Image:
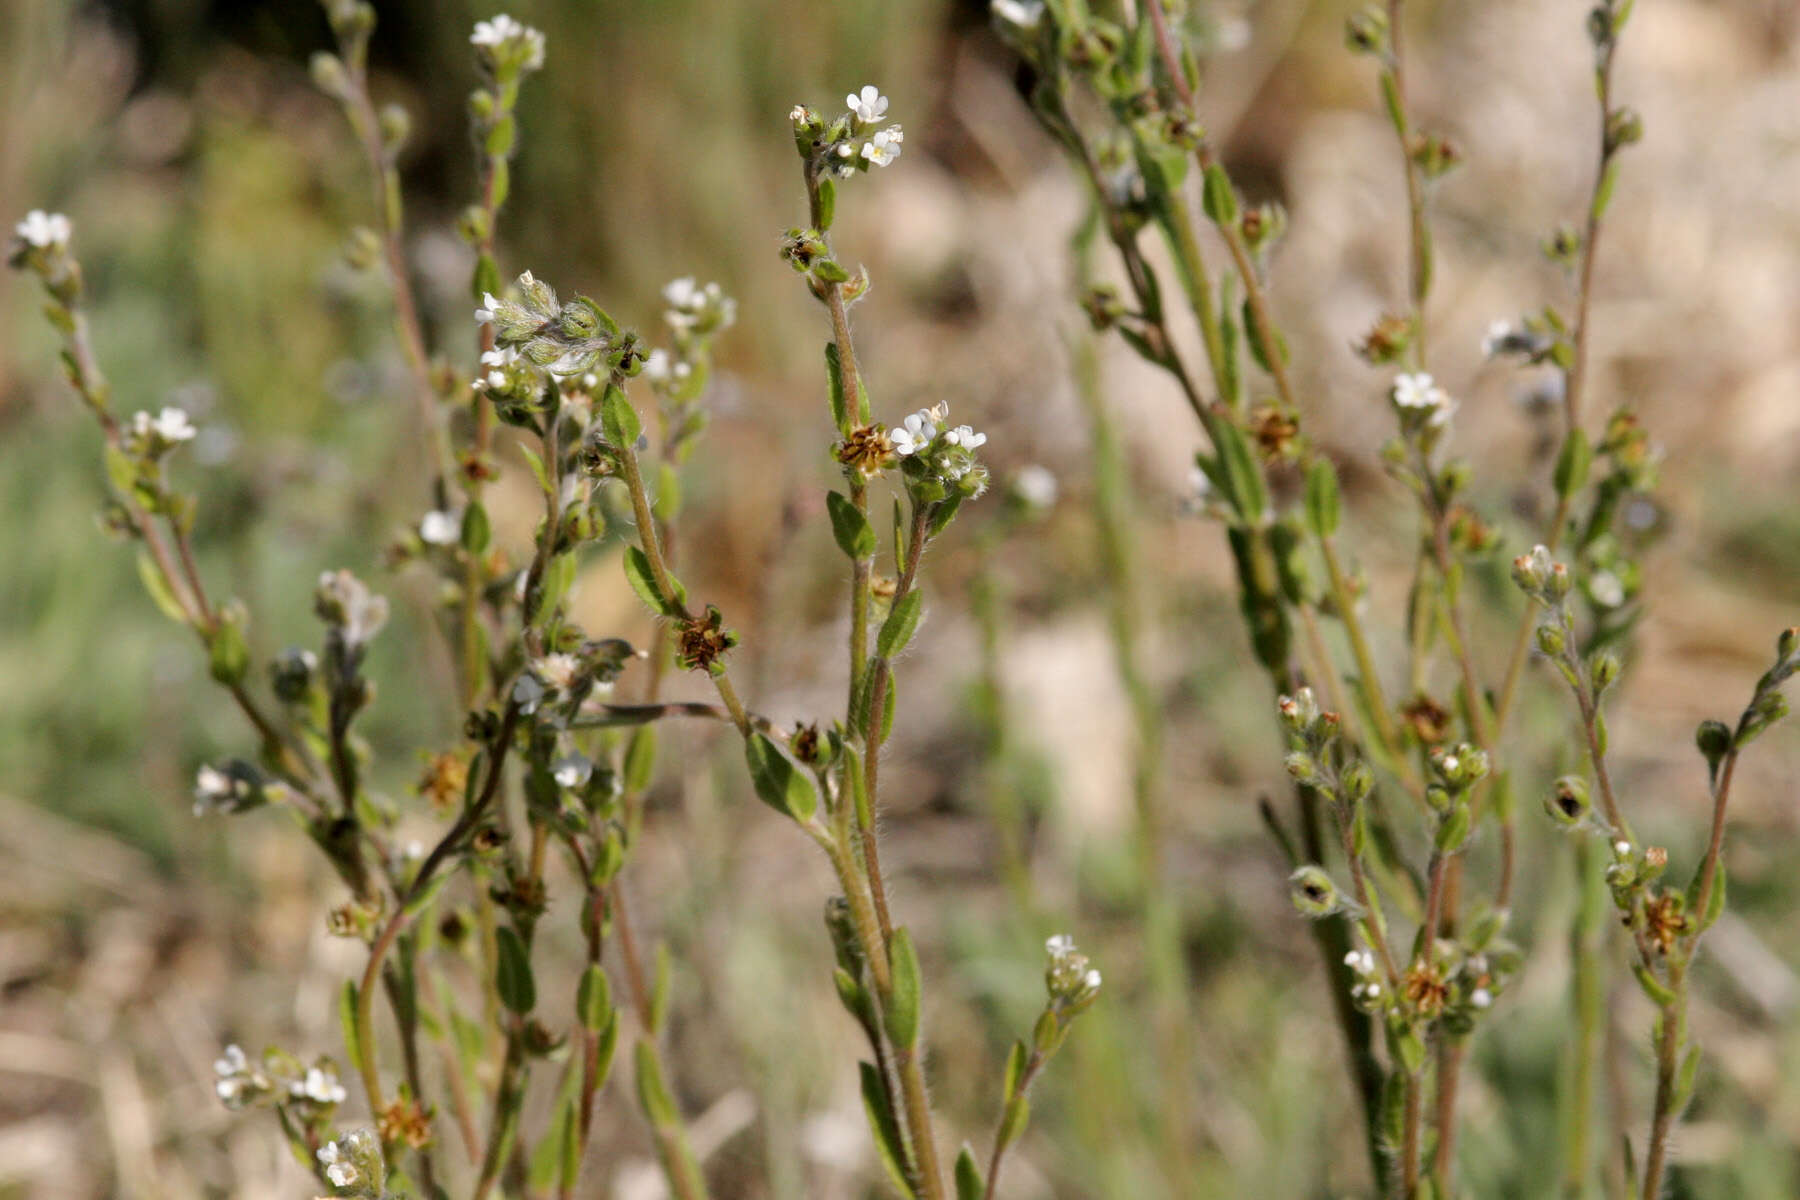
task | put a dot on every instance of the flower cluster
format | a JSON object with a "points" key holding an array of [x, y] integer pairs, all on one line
{"points": [[938, 458], [1071, 982], [1368, 990], [563, 339], [504, 47], [278, 1079], [851, 142], [353, 1164]]}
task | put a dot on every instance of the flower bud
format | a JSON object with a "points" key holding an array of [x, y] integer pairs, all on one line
{"points": [[1358, 781], [1313, 892], [1568, 801], [1301, 767], [328, 75], [1603, 668], [1623, 127], [1550, 639], [396, 127], [1366, 32]]}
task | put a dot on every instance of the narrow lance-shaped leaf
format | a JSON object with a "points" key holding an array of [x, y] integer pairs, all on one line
{"points": [[898, 629]]}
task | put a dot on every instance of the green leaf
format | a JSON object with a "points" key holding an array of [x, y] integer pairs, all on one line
{"points": [[643, 582], [619, 419], [476, 530], [1685, 1076], [486, 280], [900, 625], [659, 991], [347, 1018], [513, 978], [779, 783], [1012, 1124], [855, 536], [1572, 464], [1239, 475], [1015, 1069], [121, 470], [158, 587], [903, 1001], [653, 1093], [1324, 504], [1603, 194], [1455, 830], [830, 270], [427, 895], [827, 202], [640, 760], [884, 1127], [834, 378], [538, 470], [593, 999], [968, 1176], [1260, 350], [1217, 196], [1659, 993]]}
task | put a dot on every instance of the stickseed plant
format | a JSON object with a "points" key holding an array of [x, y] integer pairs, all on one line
{"points": [[1402, 839], [546, 765], [481, 1070]]}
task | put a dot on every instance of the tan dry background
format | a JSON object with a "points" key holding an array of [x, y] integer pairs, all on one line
{"points": [[210, 189]]}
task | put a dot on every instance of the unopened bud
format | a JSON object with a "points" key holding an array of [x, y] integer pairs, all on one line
{"points": [[1358, 781], [1312, 892], [1603, 668], [1550, 639], [1568, 801]]}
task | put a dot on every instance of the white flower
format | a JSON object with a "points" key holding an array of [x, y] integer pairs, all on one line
{"points": [[1060, 945], [1091, 980], [232, 1062], [502, 31], [884, 147], [215, 790], [1606, 589], [1418, 394], [914, 434], [1036, 486], [489, 306], [1621, 848], [1022, 14], [440, 528], [1481, 998], [557, 670], [338, 1168], [798, 113], [572, 771], [170, 426], [1360, 961], [319, 1086], [869, 105], [44, 230], [1494, 341], [965, 437]]}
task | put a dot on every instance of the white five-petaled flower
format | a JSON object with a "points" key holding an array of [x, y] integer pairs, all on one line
{"points": [[1481, 998], [44, 230], [489, 305], [1060, 945], [965, 437], [320, 1086], [338, 1167], [884, 147], [1417, 393], [216, 790], [233, 1070], [1621, 848], [170, 426], [868, 105], [498, 359], [1091, 980], [438, 528], [1360, 961]]}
